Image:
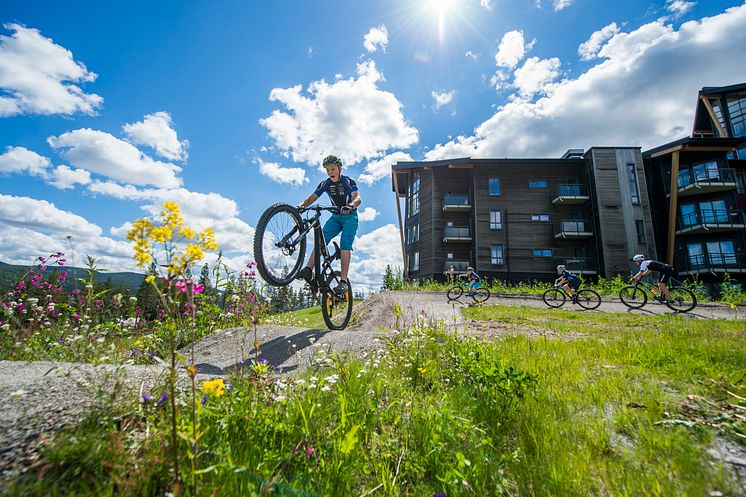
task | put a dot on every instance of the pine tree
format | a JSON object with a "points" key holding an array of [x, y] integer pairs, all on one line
{"points": [[388, 278], [147, 296]]}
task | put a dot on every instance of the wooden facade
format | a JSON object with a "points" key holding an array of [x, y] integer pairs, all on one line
{"points": [[517, 219]]}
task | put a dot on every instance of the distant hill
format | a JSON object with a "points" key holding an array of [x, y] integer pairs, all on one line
{"points": [[10, 273]]}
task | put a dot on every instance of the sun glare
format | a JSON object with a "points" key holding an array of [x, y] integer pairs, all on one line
{"points": [[440, 9]]}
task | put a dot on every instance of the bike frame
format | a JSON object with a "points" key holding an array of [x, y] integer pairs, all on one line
{"points": [[320, 248]]}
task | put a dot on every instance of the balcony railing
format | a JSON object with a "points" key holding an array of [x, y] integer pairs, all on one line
{"points": [[573, 228], [712, 263], [710, 221], [453, 234], [694, 180], [580, 265], [456, 203], [570, 194]]}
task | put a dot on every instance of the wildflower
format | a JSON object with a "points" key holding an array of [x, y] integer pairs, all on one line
{"points": [[310, 451], [733, 306], [181, 286], [422, 370], [162, 399], [214, 387], [63, 277], [146, 398], [150, 278], [204, 399], [198, 289], [187, 233]]}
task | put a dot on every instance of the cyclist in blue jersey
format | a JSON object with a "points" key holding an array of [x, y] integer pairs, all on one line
{"points": [[472, 278], [343, 193], [569, 281]]}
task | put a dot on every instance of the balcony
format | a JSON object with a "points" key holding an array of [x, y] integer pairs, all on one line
{"points": [[573, 228], [580, 265], [694, 180], [456, 203], [459, 265], [710, 221], [570, 194], [451, 234], [712, 263]]}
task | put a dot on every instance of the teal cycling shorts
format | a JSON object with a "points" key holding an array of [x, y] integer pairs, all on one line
{"points": [[341, 223]]}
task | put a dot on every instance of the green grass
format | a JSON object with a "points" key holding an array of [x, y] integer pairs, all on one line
{"points": [[614, 405], [309, 317]]}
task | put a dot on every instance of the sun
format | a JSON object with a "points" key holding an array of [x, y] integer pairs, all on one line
{"points": [[440, 9]]}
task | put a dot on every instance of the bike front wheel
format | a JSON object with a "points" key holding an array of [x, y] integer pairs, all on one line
{"points": [[455, 293], [588, 299], [481, 294], [279, 247], [681, 300], [336, 308], [633, 296], [554, 298]]}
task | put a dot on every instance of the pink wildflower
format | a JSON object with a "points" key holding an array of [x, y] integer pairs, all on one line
{"points": [[63, 276], [181, 286], [199, 289]]}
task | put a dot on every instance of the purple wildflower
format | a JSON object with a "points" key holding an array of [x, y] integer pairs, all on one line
{"points": [[162, 399], [204, 400], [146, 398]]}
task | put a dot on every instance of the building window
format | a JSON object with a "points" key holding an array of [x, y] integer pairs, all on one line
{"points": [[714, 211], [741, 184], [414, 195], [449, 255], [737, 111], [537, 183], [721, 253], [539, 217], [496, 222], [634, 189], [414, 262], [495, 189], [640, 230], [496, 256], [542, 252], [413, 234]]}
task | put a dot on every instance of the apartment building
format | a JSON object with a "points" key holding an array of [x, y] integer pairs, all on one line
{"points": [[699, 186], [516, 219]]}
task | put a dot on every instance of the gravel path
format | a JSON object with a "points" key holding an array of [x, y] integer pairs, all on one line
{"points": [[38, 398]]}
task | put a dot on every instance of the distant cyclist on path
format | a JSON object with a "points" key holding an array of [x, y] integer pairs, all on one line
{"points": [[343, 193], [648, 266], [569, 281]]}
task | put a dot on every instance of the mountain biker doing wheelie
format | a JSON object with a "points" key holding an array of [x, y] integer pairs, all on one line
{"points": [[472, 278], [343, 192]]}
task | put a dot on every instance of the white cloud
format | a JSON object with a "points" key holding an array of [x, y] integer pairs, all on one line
{"points": [[367, 214], [289, 175], [20, 159], [589, 48], [156, 131], [43, 216], [65, 178], [383, 247], [376, 37], [536, 76], [471, 55], [558, 5], [351, 118], [41, 77], [511, 50], [652, 71], [200, 210], [679, 7], [381, 168], [109, 156], [443, 97], [487, 5]]}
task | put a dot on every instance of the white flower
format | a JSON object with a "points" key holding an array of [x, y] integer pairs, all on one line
{"points": [[326, 388]]}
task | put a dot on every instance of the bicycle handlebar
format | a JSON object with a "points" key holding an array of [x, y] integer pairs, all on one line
{"points": [[319, 208]]}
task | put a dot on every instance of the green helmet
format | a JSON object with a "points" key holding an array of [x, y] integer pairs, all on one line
{"points": [[332, 160]]}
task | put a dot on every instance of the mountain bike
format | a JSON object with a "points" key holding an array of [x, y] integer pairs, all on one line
{"points": [[280, 250], [637, 294], [586, 298], [457, 290]]}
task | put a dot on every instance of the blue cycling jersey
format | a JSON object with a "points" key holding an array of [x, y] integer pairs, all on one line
{"points": [[570, 276], [340, 192]]}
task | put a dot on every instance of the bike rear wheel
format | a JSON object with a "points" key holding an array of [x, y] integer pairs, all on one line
{"points": [[481, 294], [455, 293], [336, 308], [588, 299], [554, 298], [278, 247], [633, 297], [682, 299]]}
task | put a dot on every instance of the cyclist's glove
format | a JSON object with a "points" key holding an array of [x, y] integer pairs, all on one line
{"points": [[345, 210]]}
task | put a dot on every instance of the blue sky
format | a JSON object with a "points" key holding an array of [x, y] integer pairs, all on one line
{"points": [[109, 109]]}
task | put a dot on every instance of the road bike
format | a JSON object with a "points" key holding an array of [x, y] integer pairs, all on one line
{"points": [[460, 286], [637, 294], [280, 250], [585, 298]]}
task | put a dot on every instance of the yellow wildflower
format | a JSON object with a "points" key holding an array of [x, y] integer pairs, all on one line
{"points": [[161, 234], [187, 233], [422, 370], [193, 253], [216, 388], [150, 278], [207, 239]]}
